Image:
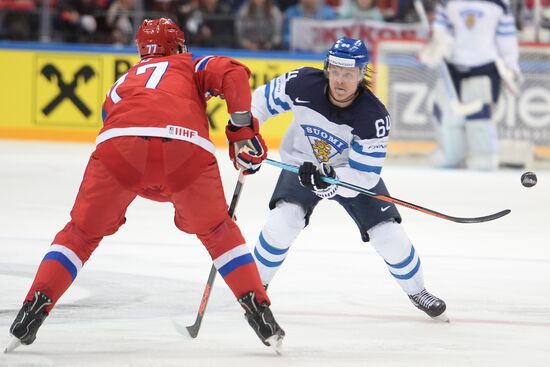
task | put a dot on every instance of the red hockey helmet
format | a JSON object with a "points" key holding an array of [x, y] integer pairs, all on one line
{"points": [[160, 37]]}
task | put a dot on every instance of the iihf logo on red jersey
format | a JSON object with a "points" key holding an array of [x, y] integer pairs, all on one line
{"points": [[181, 131]]}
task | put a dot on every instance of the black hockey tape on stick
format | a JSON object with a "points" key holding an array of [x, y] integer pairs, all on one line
{"points": [[194, 329], [389, 199]]}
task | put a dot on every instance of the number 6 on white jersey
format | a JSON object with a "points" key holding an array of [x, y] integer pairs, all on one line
{"points": [[382, 127]]}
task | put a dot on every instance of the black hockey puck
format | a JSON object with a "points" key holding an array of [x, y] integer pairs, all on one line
{"points": [[529, 179]]}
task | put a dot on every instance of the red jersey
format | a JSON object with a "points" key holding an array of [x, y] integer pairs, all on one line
{"points": [[166, 97]]}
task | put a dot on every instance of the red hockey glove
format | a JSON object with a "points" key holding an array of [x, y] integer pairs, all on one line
{"points": [[247, 149], [310, 178]]}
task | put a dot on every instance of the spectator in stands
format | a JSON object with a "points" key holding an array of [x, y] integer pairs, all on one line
{"points": [[211, 25], [406, 13], [78, 20], [315, 9], [164, 8], [17, 19], [361, 10], [283, 5], [120, 21], [185, 8], [259, 25]]}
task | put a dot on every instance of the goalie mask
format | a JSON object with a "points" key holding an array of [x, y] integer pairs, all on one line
{"points": [[160, 37], [348, 53]]}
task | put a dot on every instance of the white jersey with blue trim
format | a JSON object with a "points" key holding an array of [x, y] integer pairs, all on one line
{"points": [[353, 139], [482, 30]]}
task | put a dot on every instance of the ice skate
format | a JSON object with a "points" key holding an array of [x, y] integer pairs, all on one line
{"points": [[28, 321], [261, 319], [431, 305]]}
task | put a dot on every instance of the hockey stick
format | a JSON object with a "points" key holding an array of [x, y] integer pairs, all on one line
{"points": [[291, 168], [194, 329]]}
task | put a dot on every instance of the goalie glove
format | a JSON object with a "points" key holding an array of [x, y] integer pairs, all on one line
{"points": [[310, 178], [511, 76], [247, 149], [438, 48]]}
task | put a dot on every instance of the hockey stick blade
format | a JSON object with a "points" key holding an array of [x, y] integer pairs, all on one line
{"points": [[359, 189], [193, 330], [466, 109]]}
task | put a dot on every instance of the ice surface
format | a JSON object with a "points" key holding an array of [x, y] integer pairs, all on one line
{"points": [[334, 297]]}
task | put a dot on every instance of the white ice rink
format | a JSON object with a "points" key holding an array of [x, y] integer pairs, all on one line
{"points": [[334, 296]]}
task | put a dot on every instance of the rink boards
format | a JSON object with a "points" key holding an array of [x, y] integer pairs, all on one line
{"points": [[55, 92]]}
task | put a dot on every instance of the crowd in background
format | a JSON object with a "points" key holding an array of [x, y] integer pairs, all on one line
{"points": [[248, 24]]}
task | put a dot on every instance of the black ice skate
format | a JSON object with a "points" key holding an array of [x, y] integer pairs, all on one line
{"points": [[431, 305], [262, 321], [28, 320]]}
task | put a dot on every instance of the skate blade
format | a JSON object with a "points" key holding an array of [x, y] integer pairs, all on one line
{"points": [[442, 318], [276, 343], [12, 345]]}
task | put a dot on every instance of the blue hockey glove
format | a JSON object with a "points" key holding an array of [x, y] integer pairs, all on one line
{"points": [[310, 178]]}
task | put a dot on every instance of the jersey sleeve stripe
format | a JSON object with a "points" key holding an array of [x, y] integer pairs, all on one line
{"points": [[201, 65], [364, 167], [276, 99], [267, 93], [366, 160], [506, 34], [506, 27]]}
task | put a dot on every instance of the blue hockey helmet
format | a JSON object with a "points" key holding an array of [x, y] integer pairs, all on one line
{"points": [[348, 53]]}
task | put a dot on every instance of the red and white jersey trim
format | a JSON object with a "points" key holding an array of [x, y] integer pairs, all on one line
{"points": [[170, 132]]}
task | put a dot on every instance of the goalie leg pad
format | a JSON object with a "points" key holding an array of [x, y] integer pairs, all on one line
{"points": [[284, 224], [481, 133], [482, 145], [391, 242], [449, 132]]}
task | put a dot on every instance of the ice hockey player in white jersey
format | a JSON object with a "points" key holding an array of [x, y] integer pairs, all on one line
{"points": [[340, 129], [477, 42]]}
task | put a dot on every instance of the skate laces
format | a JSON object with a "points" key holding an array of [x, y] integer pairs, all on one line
{"points": [[248, 302], [425, 299], [39, 303]]}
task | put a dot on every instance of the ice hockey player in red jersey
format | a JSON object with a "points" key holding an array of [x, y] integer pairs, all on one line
{"points": [[155, 144]]}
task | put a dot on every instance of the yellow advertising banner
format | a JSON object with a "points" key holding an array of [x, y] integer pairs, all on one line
{"points": [[56, 95], [67, 91]]}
